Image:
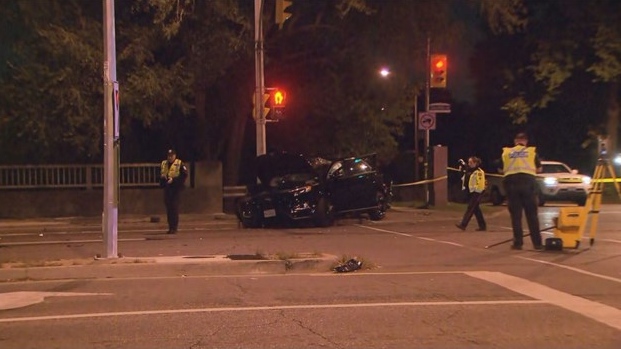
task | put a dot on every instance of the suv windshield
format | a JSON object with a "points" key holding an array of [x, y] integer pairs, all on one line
{"points": [[555, 168]]}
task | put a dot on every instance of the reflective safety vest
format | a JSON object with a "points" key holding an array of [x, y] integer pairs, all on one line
{"points": [[477, 181], [171, 171], [519, 159]]}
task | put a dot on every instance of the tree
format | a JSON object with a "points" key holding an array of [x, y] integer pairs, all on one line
{"points": [[562, 40]]}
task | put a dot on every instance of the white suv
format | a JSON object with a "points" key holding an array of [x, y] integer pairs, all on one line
{"points": [[557, 182]]}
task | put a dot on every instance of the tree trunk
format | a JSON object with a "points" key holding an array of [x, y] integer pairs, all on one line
{"points": [[612, 125], [234, 147]]}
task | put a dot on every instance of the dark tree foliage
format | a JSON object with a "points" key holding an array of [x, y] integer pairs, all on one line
{"points": [[557, 77]]}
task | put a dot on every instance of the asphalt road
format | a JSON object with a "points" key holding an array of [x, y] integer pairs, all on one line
{"points": [[424, 284]]}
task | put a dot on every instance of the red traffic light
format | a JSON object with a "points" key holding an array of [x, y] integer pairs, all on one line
{"points": [[438, 71]]}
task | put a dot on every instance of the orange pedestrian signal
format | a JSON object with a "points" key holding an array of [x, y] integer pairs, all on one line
{"points": [[279, 98], [438, 71], [277, 102]]}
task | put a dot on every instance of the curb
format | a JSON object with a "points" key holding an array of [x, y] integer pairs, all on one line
{"points": [[174, 266]]}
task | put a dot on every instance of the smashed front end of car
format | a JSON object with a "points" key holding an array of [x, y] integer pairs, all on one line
{"points": [[288, 190]]}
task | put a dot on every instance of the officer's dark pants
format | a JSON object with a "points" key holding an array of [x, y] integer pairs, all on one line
{"points": [[474, 199], [521, 191], [171, 200]]}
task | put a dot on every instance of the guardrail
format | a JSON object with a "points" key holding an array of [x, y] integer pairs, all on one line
{"points": [[76, 176], [233, 191]]}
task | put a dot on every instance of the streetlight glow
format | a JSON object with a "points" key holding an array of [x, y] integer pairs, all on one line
{"points": [[384, 72]]}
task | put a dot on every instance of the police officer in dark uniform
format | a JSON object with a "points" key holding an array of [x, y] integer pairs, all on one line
{"points": [[173, 175], [520, 164]]}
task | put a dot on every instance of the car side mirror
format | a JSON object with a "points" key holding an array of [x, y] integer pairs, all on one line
{"points": [[574, 171]]}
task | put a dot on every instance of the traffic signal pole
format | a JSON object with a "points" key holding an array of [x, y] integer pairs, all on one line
{"points": [[111, 136], [427, 150], [259, 90]]}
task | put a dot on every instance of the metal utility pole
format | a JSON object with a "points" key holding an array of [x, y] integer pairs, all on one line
{"points": [[259, 90], [427, 87], [111, 136]]}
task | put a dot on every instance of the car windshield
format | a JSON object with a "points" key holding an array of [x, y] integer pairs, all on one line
{"points": [[555, 168], [349, 168]]}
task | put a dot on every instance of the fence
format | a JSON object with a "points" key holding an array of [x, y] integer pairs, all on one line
{"points": [[76, 176], [67, 190]]}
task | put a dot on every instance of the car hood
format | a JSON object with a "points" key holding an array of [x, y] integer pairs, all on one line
{"points": [[291, 168], [568, 176]]}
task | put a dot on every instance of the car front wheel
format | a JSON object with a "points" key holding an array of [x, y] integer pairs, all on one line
{"points": [[248, 215], [324, 213], [495, 197], [380, 212]]}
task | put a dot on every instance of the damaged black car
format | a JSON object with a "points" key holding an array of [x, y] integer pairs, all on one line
{"points": [[292, 188]]}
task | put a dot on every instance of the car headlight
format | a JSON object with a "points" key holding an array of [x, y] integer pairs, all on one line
{"points": [[586, 180], [550, 181]]}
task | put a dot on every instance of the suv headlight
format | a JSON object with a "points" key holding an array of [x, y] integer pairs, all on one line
{"points": [[586, 180], [550, 181]]}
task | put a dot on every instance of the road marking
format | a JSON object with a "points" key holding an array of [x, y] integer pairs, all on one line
{"points": [[276, 307], [62, 242], [13, 300], [605, 277], [384, 230], [607, 240], [412, 236], [79, 232], [599, 312], [540, 294]]}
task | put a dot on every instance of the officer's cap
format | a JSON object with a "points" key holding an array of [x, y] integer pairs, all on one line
{"points": [[171, 152], [521, 135]]}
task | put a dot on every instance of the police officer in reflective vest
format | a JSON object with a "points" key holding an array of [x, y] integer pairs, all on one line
{"points": [[475, 177], [520, 164], [173, 175]]}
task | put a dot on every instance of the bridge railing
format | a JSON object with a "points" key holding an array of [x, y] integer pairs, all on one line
{"points": [[76, 176]]}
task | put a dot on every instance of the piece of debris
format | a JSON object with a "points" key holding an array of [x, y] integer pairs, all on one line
{"points": [[350, 265]]}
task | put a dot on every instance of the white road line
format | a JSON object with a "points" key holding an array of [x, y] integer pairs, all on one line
{"points": [[412, 236], [609, 278], [605, 277], [61, 242], [264, 308], [599, 312]]}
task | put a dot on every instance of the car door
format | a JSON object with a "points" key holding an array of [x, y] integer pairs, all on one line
{"points": [[352, 184]]}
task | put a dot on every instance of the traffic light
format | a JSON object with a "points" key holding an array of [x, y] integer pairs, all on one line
{"points": [[282, 14], [278, 102], [266, 103], [438, 71]]}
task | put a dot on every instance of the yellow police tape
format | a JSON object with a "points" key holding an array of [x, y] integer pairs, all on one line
{"points": [[602, 180]]}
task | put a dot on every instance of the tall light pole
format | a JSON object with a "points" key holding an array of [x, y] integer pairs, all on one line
{"points": [[259, 89], [111, 136]]}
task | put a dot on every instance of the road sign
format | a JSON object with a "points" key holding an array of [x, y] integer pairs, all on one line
{"points": [[440, 107], [426, 121]]}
